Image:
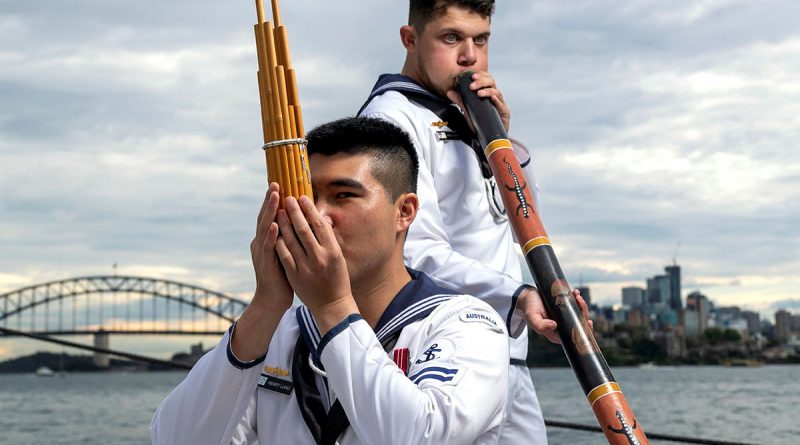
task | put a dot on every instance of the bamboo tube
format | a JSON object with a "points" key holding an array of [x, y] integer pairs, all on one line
{"points": [[281, 116], [299, 183], [282, 45], [260, 12], [294, 99], [266, 130], [266, 91], [305, 178], [264, 86], [287, 132], [276, 13]]}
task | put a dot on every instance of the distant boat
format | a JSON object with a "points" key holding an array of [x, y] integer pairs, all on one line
{"points": [[743, 362], [648, 365], [44, 371]]}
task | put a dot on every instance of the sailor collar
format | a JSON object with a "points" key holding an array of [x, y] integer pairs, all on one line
{"points": [[405, 84], [416, 300]]}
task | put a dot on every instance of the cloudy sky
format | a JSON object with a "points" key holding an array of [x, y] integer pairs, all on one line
{"points": [[130, 134]]}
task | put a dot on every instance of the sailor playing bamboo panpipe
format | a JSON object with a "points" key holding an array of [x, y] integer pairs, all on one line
{"points": [[462, 236], [378, 353], [281, 115]]}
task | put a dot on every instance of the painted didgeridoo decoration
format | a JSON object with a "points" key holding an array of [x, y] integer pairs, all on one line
{"points": [[602, 391]]}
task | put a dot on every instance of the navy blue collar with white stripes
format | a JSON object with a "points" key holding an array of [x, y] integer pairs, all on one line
{"points": [[416, 300], [399, 82]]}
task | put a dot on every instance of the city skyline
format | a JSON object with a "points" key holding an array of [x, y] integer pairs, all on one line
{"points": [[130, 134]]}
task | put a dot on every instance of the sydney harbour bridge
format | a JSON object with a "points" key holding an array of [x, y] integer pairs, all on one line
{"points": [[106, 305]]}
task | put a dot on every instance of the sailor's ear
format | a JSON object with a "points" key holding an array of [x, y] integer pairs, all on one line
{"points": [[408, 36], [406, 205]]}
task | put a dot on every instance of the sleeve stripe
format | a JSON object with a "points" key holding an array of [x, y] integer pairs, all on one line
{"points": [[333, 332], [434, 369], [235, 360], [514, 299], [434, 377]]}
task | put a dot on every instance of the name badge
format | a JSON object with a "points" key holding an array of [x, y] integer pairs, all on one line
{"points": [[275, 384]]}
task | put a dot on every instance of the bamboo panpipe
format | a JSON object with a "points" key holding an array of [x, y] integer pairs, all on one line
{"points": [[602, 391], [281, 117]]}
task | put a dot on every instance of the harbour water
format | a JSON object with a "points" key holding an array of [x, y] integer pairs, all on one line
{"points": [[755, 405], [759, 405]]}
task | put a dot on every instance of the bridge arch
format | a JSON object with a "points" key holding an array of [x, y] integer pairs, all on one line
{"points": [[17, 302]]}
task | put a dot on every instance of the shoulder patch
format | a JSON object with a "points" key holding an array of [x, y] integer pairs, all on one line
{"points": [[471, 316]]}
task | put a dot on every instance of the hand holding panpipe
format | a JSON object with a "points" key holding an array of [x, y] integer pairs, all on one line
{"points": [[281, 117], [584, 355]]}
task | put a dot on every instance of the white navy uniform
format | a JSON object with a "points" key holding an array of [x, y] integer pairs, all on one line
{"points": [[427, 375], [461, 236]]}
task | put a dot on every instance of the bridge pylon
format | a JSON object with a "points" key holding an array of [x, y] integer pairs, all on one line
{"points": [[101, 340]]}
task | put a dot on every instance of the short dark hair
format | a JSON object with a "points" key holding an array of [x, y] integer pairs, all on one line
{"points": [[395, 164], [420, 12]]}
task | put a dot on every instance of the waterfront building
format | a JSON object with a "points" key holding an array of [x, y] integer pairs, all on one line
{"points": [[637, 319], [699, 303], [671, 343], [633, 296], [658, 290], [666, 289], [691, 323], [739, 325], [674, 277], [667, 317], [783, 325], [753, 322], [795, 323]]}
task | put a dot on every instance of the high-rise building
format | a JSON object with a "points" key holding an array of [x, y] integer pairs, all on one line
{"points": [[783, 325], [633, 296], [585, 294], [753, 321], [635, 318], [700, 304], [659, 290], [665, 290], [691, 323], [674, 276]]}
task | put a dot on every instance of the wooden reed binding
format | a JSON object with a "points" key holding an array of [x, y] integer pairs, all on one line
{"points": [[281, 117]]}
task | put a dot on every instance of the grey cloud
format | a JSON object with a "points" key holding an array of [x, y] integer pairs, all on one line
{"points": [[129, 131]]}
